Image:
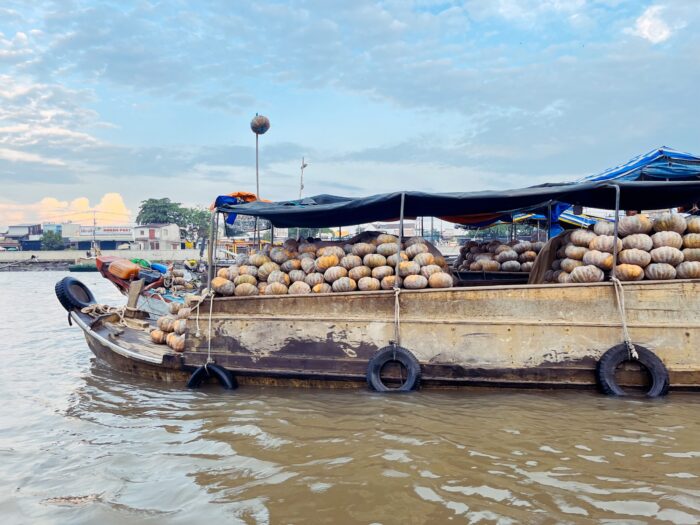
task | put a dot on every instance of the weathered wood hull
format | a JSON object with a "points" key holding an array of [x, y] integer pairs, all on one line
{"points": [[534, 336]]}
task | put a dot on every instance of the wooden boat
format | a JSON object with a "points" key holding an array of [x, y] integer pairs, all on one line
{"points": [[511, 335]]}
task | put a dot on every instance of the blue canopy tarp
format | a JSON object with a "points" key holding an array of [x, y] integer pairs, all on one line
{"points": [[663, 163]]}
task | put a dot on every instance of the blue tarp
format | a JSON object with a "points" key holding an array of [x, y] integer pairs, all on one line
{"points": [[660, 164]]}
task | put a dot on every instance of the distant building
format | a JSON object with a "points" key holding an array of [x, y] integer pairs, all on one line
{"points": [[157, 236], [106, 237], [23, 231], [409, 228]]}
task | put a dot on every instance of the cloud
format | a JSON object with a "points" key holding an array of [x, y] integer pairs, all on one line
{"points": [[650, 26]]}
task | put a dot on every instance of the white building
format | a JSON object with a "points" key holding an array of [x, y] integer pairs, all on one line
{"points": [[157, 236]]}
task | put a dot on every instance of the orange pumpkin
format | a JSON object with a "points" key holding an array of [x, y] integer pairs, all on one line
{"points": [[275, 289], [427, 271], [409, 267], [314, 278], [389, 281], [299, 288], [629, 272], [176, 342], [334, 273], [331, 250], [358, 272], [245, 290], [278, 276], [393, 259], [575, 252], [322, 288], [248, 270], [602, 260], [693, 224], [307, 248], [440, 280], [568, 265], [490, 266], [222, 286], [223, 273], [266, 269], [368, 284], [326, 261], [382, 271], [344, 284], [158, 336], [290, 265], [691, 240], [174, 308], [530, 256]]}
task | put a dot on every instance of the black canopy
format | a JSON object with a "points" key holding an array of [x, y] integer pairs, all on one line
{"points": [[331, 210]]}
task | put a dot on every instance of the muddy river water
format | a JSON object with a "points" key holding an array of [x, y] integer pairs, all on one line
{"points": [[80, 443]]}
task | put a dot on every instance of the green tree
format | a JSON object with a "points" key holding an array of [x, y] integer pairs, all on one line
{"points": [[52, 241], [159, 211], [194, 223]]}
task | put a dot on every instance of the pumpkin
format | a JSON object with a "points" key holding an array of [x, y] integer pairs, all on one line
{"points": [[307, 248], [556, 264], [358, 272], [297, 275], [575, 252], [266, 249], [308, 265], [507, 255], [548, 276], [415, 249], [667, 238], [184, 313], [258, 259], [276, 289], [393, 259], [331, 250], [427, 271], [344, 284], [670, 222], [174, 308], [424, 259], [389, 248], [527, 266], [363, 248], [290, 265], [158, 336], [279, 254], [278, 276], [440, 280], [634, 256], [291, 244], [373, 260], [556, 274], [245, 279], [528, 256], [415, 240], [537, 246], [637, 241], [347, 248], [668, 255], [248, 270], [368, 284], [476, 266], [326, 261], [314, 278], [502, 248], [510, 266], [382, 271], [691, 254], [490, 266], [303, 256], [605, 243], [299, 288], [693, 224], [176, 342], [334, 273], [322, 288], [629, 272], [568, 265], [561, 252], [409, 267], [639, 223], [691, 240], [582, 237], [660, 272], [166, 323], [522, 247], [604, 228], [222, 286], [245, 290], [415, 282], [223, 273], [388, 282], [261, 287], [587, 274], [387, 238], [266, 269], [180, 326], [688, 270], [232, 272], [350, 261], [564, 277]]}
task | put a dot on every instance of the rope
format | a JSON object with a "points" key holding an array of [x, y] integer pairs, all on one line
{"points": [[397, 315], [620, 297], [211, 307]]}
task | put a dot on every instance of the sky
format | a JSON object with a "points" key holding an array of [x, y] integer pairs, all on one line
{"points": [[105, 104]]}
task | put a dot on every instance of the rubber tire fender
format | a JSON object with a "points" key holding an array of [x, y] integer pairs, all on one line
{"points": [[386, 355], [608, 363], [73, 294], [224, 377]]}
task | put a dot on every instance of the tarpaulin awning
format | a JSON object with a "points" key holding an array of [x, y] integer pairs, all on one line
{"points": [[332, 210], [660, 164]]}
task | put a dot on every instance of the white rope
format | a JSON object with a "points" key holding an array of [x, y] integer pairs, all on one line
{"points": [[211, 307], [620, 297]]}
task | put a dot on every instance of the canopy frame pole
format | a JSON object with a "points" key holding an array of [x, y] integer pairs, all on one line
{"points": [[616, 227], [397, 288], [549, 220], [210, 248]]}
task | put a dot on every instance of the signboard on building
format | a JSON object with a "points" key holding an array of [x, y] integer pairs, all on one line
{"points": [[113, 232]]}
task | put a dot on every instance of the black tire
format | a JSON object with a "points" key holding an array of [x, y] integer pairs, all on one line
{"points": [[224, 377], [390, 354], [73, 295], [608, 363]]}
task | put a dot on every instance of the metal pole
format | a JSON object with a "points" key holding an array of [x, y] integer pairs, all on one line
{"points": [[210, 251], [257, 189], [549, 220], [397, 332], [615, 228]]}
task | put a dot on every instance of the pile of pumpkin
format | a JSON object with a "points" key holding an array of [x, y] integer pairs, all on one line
{"points": [[494, 256], [298, 268], [171, 329], [667, 247]]}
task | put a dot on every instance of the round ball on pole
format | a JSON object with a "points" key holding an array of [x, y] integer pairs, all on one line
{"points": [[260, 124]]}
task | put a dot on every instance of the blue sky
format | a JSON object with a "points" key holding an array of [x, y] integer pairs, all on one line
{"points": [[149, 99]]}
